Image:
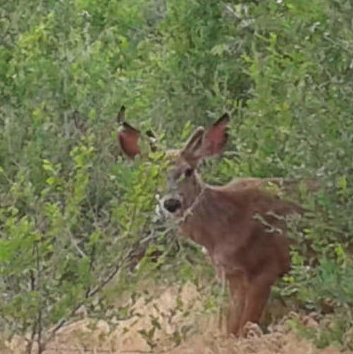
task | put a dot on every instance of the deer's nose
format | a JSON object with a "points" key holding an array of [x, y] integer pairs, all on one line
{"points": [[172, 205]]}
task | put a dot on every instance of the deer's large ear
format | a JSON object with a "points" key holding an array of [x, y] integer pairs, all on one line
{"points": [[128, 138], [215, 137], [195, 141], [207, 143], [193, 147]]}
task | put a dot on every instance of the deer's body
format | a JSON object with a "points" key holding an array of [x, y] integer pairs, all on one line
{"points": [[234, 234], [243, 229], [241, 225]]}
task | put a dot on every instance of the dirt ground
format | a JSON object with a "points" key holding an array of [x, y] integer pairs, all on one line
{"points": [[172, 322]]}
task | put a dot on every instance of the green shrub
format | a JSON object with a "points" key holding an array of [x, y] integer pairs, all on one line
{"points": [[73, 213]]}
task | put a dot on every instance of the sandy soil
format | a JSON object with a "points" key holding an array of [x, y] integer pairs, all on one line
{"points": [[173, 322]]}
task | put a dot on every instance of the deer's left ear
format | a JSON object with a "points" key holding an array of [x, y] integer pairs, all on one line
{"points": [[128, 138], [206, 143], [215, 137]]}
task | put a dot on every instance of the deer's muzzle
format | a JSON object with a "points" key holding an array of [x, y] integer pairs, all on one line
{"points": [[171, 205]]}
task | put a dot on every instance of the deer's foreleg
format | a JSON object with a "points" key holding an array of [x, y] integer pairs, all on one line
{"points": [[238, 289], [256, 298]]}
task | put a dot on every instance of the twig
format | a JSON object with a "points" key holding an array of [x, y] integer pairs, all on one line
{"points": [[91, 293], [40, 308], [34, 327]]}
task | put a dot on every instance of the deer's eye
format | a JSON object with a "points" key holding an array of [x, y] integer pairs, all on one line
{"points": [[188, 172]]}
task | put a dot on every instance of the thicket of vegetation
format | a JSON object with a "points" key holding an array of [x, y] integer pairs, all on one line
{"points": [[73, 213]]}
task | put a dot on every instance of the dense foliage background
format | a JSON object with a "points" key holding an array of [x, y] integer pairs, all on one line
{"points": [[73, 213]]}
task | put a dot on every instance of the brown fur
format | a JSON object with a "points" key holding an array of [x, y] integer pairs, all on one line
{"points": [[243, 229], [241, 225]]}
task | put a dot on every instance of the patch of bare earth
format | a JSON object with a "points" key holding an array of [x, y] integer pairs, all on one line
{"points": [[173, 321]]}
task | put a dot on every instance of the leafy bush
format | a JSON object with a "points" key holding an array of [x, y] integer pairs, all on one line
{"points": [[73, 213]]}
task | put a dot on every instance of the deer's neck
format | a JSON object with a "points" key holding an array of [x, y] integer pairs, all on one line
{"points": [[192, 193], [203, 221]]}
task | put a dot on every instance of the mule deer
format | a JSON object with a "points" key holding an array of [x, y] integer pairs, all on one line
{"points": [[241, 225]]}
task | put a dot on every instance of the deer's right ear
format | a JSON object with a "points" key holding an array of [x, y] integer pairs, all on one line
{"points": [[128, 138]]}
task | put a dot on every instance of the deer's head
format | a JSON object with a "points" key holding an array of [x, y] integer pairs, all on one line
{"points": [[183, 181]]}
